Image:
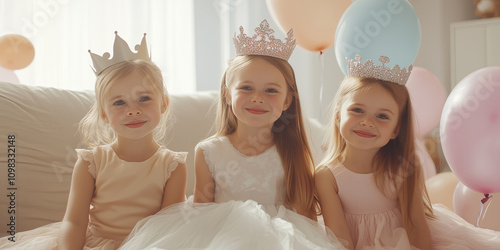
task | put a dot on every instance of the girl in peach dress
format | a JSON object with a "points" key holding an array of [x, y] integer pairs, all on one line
{"points": [[370, 185], [127, 175]]}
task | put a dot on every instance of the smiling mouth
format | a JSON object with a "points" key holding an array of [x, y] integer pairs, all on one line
{"points": [[135, 124], [364, 134], [257, 111]]}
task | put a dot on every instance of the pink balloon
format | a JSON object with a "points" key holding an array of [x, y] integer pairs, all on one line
{"points": [[467, 202], [428, 166], [427, 96], [470, 130], [7, 75]]}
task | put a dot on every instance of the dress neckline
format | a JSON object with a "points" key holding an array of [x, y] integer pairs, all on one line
{"points": [[226, 139], [338, 164], [117, 157]]}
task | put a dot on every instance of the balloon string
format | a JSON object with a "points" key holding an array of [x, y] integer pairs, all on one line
{"points": [[483, 201], [322, 82]]}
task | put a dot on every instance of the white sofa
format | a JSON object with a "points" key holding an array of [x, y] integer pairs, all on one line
{"points": [[44, 123]]}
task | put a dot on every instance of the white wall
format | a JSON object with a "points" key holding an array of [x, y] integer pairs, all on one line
{"points": [[435, 19]]}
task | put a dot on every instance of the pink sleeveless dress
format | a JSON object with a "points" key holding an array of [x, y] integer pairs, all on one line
{"points": [[375, 220]]}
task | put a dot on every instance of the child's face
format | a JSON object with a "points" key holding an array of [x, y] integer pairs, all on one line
{"points": [[368, 118], [258, 94], [132, 108]]}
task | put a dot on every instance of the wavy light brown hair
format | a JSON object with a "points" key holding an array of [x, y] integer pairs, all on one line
{"points": [[397, 161], [288, 132], [93, 129]]}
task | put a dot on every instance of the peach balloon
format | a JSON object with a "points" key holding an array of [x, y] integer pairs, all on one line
{"points": [[16, 52], [314, 22], [441, 187], [467, 202]]}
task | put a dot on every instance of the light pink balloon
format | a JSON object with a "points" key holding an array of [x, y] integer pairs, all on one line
{"points": [[467, 202], [427, 96], [7, 75], [428, 166], [470, 130]]}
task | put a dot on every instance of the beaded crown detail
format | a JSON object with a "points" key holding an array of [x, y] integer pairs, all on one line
{"points": [[369, 70], [121, 52], [263, 43]]}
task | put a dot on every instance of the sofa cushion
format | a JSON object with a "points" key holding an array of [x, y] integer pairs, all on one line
{"points": [[44, 122]]}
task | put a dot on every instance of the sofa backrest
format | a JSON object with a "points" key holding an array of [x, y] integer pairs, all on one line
{"points": [[42, 123]]}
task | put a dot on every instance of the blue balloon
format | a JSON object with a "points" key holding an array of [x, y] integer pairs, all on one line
{"points": [[374, 28]]}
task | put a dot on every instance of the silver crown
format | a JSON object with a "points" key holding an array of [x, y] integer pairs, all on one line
{"points": [[121, 52], [263, 43], [369, 70]]}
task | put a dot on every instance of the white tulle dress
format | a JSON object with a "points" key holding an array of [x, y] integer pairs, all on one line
{"points": [[247, 212], [375, 221]]}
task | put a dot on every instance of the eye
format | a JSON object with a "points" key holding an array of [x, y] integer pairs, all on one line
{"points": [[272, 91], [357, 110], [144, 98], [246, 88], [119, 102], [383, 116]]}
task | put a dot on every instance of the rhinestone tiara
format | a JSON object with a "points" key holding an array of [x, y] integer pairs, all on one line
{"points": [[368, 70], [121, 53], [263, 43]]}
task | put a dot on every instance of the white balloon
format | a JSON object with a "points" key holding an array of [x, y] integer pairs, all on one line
{"points": [[7, 75]]}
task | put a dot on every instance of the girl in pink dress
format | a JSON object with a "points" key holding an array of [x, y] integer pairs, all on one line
{"points": [[127, 175], [370, 185]]}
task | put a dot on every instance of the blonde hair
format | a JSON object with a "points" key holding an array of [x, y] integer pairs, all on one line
{"points": [[94, 130], [288, 132], [397, 161]]}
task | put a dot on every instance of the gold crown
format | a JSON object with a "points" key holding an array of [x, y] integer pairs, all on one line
{"points": [[121, 52], [368, 70], [263, 43]]}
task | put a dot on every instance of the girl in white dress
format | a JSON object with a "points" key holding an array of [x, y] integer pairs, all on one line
{"points": [[254, 177]]}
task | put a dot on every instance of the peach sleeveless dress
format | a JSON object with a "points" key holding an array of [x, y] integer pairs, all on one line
{"points": [[125, 192]]}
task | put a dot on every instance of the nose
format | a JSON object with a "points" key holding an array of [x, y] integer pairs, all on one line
{"points": [[256, 98], [134, 111], [138, 112], [367, 123]]}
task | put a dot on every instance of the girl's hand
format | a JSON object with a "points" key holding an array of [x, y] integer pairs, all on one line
{"points": [[205, 185], [72, 234], [331, 206]]}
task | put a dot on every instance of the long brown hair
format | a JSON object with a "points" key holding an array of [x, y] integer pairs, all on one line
{"points": [[397, 161], [288, 132]]}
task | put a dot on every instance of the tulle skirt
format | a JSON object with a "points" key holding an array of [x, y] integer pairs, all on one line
{"points": [[450, 231], [229, 225], [45, 237], [376, 231]]}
